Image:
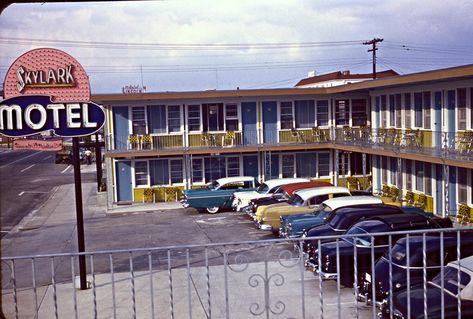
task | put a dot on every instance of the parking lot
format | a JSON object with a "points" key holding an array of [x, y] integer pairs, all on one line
{"points": [[241, 279]]}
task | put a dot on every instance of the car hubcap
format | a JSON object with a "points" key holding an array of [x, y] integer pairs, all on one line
{"points": [[212, 210]]}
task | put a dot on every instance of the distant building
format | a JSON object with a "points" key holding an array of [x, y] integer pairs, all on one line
{"points": [[339, 78]]}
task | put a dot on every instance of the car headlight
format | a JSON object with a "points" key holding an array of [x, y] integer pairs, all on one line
{"points": [[289, 226]]}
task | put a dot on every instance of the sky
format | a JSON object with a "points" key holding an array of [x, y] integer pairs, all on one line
{"points": [[194, 45]]}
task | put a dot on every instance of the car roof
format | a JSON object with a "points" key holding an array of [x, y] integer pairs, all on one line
{"points": [[283, 181], [465, 263], [291, 188], [395, 221], [309, 192], [227, 180], [367, 209], [434, 238], [337, 202]]}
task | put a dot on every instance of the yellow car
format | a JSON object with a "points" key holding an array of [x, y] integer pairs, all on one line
{"points": [[302, 201]]}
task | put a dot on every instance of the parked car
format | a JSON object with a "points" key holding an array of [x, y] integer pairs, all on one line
{"points": [[302, 201], [218, 194], [266, 189], [401, 264], [361, 240], [457, 282], [292, 226], [282, 194], [338, 222]]}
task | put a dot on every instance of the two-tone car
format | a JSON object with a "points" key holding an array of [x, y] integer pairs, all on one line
{"points": [[302, 201], [282, 194], [413, 258], [265, 190], [445, 295], [337, 223], [218, 194], [368, 248], [293, 226]]}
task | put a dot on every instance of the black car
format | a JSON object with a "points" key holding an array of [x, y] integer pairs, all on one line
{"points": [[340, 219], [406, 256], [363, 241], [410, 304]]}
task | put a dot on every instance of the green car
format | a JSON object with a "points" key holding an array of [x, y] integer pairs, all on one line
{"points": [[218, 194]]}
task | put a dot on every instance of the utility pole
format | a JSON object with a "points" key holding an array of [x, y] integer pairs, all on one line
{"points": [[373, 49]]}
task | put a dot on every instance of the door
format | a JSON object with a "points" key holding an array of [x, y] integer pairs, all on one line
{"points": [[270, 119], [124, 185], [120, 126], [250, 166], [438, 119], [248, 117], [451, 118]]}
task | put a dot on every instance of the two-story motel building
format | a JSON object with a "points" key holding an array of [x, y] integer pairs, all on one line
{"points": [[408, 137]]}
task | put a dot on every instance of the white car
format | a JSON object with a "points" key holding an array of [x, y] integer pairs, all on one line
{"points": [[242, 199]]}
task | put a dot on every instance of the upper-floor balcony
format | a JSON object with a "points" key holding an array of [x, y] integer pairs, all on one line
{"points": [[448, 145]]}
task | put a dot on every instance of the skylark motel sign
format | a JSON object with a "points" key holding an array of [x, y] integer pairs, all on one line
{"points": [[47, 89]]}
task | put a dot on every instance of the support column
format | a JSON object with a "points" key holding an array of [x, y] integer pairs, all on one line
{"points": [[335, 168], [363, 166], [446, 179], [399, 179]]}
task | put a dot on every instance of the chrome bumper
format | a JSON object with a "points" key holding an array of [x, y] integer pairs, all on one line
{"points": [[262, 226], [326, 275], [184, 203]]}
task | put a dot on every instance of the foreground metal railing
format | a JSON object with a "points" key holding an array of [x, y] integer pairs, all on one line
{"points": [[249, 279]]}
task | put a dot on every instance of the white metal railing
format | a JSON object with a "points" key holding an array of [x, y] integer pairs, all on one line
{"points": [[231, 280]]}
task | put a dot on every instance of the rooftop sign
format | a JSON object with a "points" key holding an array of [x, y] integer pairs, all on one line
{"points": [[47, 89]]}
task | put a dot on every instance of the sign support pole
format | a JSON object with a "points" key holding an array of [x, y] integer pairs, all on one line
{"points": [[79, 213]]}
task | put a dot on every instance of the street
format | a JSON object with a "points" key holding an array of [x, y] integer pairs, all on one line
{"points": [[27, 180]]}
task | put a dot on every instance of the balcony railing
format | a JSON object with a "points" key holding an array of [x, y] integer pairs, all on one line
{"points": [[447, 144], [245, 279]]}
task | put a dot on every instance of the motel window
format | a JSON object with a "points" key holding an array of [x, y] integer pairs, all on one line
{"points": [[233, 166], [141, 173], [408, 170], [427, 107], [174, 118], [286, 115], [419, 176], [359, 114], [214, 168], [197, 170], [304, 113], [393, 170], [159, 171], [157, 119], [391, 111], [193, 118], [428, 179], [383, 111], [231, 117], [461, 108], [212, 117], [418, 109], [397, 106], [323, 164], [322, 113], [306, 165], [175, 170], [462, 183], [287, 165], [138, 120], [407, 110], [342, 112], [356, 164]]}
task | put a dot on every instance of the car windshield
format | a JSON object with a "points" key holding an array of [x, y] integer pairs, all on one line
{"points": [[263, 189], [296, 200], [360, 236], [450, 280], [398, 255], [213, 185]]}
